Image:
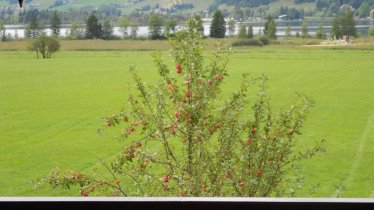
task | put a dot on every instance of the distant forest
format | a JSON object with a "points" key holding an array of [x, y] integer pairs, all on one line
{"points": [[327, 8], [255, 3]]}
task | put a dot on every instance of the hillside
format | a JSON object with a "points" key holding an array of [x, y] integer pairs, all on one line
{"points": [[239, 9], [131, 5], [125, 5]]}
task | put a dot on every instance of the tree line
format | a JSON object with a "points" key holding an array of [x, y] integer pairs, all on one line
{"points": [[159, 27]]}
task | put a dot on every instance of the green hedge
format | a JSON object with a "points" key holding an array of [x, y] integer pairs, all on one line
{"points": [[258, 41], [247, 42]]}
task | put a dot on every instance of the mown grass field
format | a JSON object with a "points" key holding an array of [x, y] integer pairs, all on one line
{"points": [[50, 111]]}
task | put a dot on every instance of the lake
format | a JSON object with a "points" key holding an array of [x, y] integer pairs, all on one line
{"points": [[295, 25]]}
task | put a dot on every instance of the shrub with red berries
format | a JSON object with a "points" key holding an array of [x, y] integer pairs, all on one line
{"points": [[182, 140]]}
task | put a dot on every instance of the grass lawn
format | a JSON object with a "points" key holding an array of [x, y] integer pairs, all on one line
{"points": [[50, 110]]}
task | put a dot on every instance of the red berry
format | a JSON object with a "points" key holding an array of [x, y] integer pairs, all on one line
{"points": [[229, 175], [203, 188], [218, 77], [176, 115], [109, 123], [117, 181], [259, 172], [173, 129], [165, 187], [78, 176], [138, 144], [250, 170], [249, 141], [115, 193], [186, 114], [132, 153], [210, 82], [188, 94], [253, 130], [165, 179], [171, 88], [217, 126], [179, 69], [84, 193], [241, 183]]}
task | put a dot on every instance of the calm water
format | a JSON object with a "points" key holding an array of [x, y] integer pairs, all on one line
{"points": [[361, 25]]}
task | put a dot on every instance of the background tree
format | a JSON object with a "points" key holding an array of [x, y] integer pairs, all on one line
{"points": [[134, 29], [348, 27], [371, 31], [371, 14], [270, 28], [335, 30], [16, 36], [346, 8], [304, 30], [364, 9], [287, 31], [320, 34], [77, 30], [55, 23], [123, 25], [199, 24], [242, 31], [94, 30], [218, 25], [231, 27], [107, 30], [250, 32], [2, 30], [44, 45], [269, 18], [34, 27], [333, 9], [155, 26], [170, 26], [42, 26], [27, 32]]}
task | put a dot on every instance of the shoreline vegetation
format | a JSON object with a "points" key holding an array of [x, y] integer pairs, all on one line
{"points": [[151, 45]]}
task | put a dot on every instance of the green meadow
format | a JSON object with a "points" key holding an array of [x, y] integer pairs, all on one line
{"points": [[50, 111]]}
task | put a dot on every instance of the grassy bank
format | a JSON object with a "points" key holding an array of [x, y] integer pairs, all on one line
{"points": [[151, 45]]}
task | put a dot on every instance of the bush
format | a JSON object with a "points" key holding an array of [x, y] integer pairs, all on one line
{"points": [[181, 139], [44, 45], [264, 39], [247, 42], [313, 42]]}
